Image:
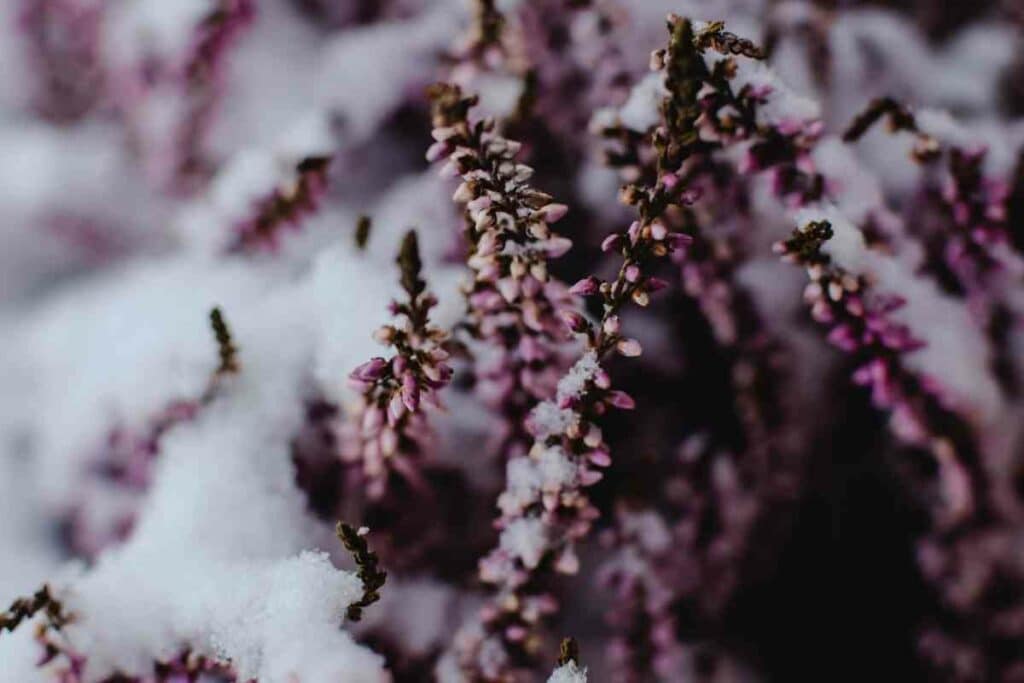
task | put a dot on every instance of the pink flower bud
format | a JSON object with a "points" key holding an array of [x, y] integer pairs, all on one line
{"points": [[370, 371], [634, 231], [621, 400], [437, 151], [586, 287], [388, 442], [655, 284], [552, 213], [479, 204], [410, 392], [678, 240], [509, 288], [611, 243], [396, 408]]}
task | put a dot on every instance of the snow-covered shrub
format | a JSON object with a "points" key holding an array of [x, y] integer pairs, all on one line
{"points": [[392, 340]]}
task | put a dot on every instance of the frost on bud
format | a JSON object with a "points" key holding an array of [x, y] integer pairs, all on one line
{"points": [[552, 213], [558, 246]]}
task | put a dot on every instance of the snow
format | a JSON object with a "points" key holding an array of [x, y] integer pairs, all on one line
{"points": [[526, 539], [643, 108], [143, 28], [944, 322], [568, 673], [221, 556]]}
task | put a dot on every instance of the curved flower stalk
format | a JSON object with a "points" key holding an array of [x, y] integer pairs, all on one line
{"points": [[544, 509], [864, 324], [63, 43], [513, 304], [965, 554], [387, 431], [861, 323], [122, 472]]}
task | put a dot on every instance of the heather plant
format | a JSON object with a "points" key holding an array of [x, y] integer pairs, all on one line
{"points": [[718, 369]]}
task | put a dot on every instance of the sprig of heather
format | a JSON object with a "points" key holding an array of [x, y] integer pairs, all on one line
{"points": [[201, 81], [964, 225], [513, 303], [973, 239], [128, 456], [730, 483], [369, 572], [285, 207], [544, 508], [176, 157], [861, 323], [386, 432], [49, 633], [68, 665]]}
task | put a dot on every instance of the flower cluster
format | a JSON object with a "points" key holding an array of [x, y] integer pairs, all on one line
{"points": [[513, 303], [545, 510], [861, 323], [386, 431]]}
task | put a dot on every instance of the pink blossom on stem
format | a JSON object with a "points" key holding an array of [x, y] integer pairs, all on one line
{"points": [[386, 431]]}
